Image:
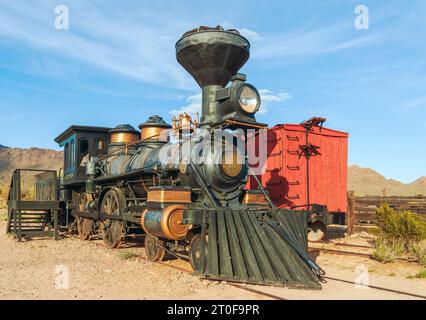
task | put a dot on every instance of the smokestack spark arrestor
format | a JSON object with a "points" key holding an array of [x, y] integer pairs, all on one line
{"points": [[213, 57]]}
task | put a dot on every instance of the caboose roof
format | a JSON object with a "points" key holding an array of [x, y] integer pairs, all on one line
{"points": [[79, 129]]}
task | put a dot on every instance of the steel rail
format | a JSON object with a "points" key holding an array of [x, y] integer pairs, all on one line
{"points": [[268, 294]]}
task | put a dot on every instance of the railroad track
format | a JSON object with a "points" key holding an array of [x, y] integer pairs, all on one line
{"points": [[331, 248], [275, 297], [190, 272]]}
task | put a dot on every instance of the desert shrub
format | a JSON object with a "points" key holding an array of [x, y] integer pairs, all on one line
{"points": [[386, 250], [399, 233], [404, 227], [418, 250], [419, 275]]}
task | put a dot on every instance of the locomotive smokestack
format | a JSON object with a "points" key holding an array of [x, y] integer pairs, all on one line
{"points": [[212, 56]]}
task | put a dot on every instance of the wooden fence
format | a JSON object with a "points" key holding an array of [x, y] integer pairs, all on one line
{"points": [[362, 210]]}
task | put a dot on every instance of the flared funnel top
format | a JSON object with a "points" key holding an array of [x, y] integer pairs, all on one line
{"points": [[212, 55]]}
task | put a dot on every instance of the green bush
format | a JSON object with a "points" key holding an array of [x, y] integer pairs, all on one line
{"points": [[387, 251], [399, 233], [405, 227], [418, 250]]}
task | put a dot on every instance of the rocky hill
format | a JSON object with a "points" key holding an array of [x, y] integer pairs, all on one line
{"points": [[34, 158], [365, 181]]}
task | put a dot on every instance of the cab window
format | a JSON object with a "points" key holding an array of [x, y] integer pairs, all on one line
{"points": [[67, 156], [83, 152]]}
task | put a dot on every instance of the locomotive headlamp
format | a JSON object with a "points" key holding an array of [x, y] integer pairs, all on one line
{"points": [[248, 98], [240, 97]]}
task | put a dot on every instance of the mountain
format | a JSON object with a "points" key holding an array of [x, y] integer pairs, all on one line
{"points": [[365, 181], [421, 182], [34, 158], [3, 147]]}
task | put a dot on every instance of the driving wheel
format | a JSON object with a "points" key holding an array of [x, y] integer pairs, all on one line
{"points": [[112, 230]]}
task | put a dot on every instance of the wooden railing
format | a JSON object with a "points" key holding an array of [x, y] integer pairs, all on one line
{"points": [[362, 210]]}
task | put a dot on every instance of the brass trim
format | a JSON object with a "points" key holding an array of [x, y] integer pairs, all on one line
{"points": [[254, 198], [245, 124], [154, 134], [175, 196], [143, 220], [124, 137], [172, 222], [232, 164]]}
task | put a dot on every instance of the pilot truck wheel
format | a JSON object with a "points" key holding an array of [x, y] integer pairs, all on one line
{"points": [[111, 229], [154, 248], [317, 232], [195, 253]]}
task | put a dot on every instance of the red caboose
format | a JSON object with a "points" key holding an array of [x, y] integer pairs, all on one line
{"points": [[307, 166]]}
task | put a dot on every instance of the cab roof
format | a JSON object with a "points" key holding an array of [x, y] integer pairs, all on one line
{"points": [[80, 129]]}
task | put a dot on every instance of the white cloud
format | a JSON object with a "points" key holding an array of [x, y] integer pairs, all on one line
{"points": [[133, 42], [129, 43], [245, 32], [301, 43], [268, 97], [249, 34], [192, 107]]}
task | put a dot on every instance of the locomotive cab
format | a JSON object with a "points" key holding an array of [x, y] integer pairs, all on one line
{"points": [[80, 143]]}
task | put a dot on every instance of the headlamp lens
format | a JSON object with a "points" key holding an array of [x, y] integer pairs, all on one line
{"points": [[249, 99]]}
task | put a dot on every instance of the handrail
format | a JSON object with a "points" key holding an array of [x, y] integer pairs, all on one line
{"points": [[18, 207]]}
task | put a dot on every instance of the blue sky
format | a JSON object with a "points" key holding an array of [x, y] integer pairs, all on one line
{"points": [[116, 64]]}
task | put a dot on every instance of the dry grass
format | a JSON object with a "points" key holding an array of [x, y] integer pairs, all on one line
{"points": [[126, 255], [419, 252], [387, 251], [419, 275], [4, 192]]}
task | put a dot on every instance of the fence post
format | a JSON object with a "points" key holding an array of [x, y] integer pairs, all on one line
{"points": [[350, 215], [55, 224]]}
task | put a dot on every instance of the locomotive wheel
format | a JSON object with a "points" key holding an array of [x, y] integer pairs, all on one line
{"points": [[85, 226], [195, 253], [112, 230], [153, 249], [317, 232]]}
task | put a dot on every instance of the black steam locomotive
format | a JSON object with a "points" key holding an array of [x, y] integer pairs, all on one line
{"points": [[121, 181]]}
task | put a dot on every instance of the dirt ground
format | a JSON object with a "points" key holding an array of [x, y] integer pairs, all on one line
{"points": [[27, 271]]}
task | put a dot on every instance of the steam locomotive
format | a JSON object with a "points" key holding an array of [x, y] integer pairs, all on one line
{"points": [[119, 182]]}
